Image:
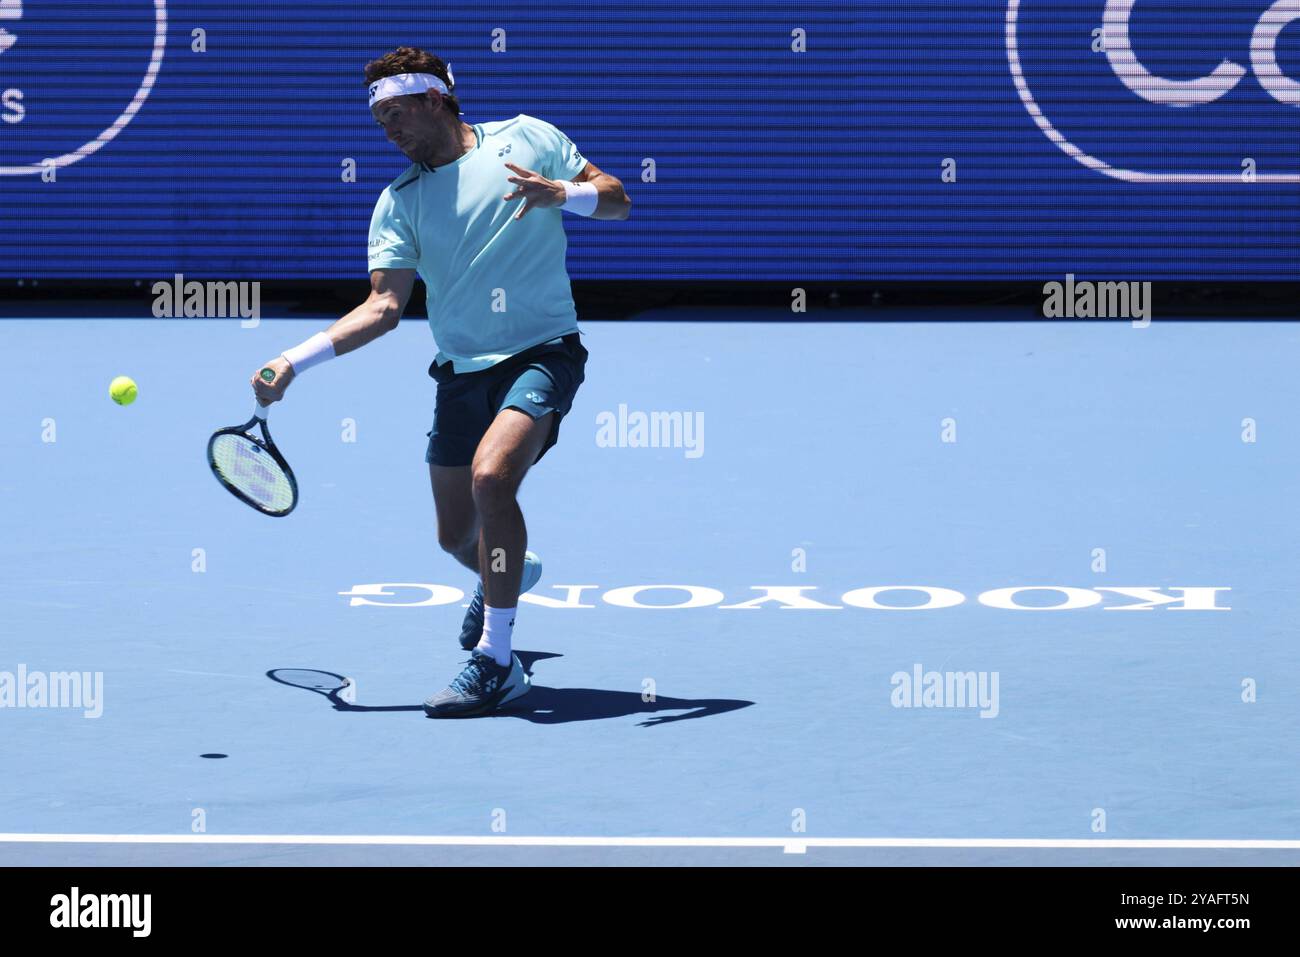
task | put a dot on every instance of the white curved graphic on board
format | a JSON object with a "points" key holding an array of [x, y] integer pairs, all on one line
{"points": [[1099, 165], [106, 137]]}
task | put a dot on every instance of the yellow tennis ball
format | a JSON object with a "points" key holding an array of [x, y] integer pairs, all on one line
{"points": [[123, 390]]}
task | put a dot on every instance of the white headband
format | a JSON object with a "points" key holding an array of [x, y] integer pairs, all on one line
{"points": [[404, 84]]}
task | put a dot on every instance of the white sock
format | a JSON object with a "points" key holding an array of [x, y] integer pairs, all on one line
{"points": [[498, 626]]}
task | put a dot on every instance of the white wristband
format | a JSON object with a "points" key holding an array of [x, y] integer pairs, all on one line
{"points": [[580, 198], [312, 352]]}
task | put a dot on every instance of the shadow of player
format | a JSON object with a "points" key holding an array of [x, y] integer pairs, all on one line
{"points": [[541, 705], [545, 705]]}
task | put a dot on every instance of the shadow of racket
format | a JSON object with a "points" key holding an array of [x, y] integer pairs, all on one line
{"points": [[339, 690]]}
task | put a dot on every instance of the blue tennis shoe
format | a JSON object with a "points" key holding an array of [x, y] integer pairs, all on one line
{"points": [[481, 687]]}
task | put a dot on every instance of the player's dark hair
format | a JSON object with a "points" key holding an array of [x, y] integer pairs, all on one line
{"points": [[413, 60]]}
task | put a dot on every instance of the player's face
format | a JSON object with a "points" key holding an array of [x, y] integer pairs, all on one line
{"points": [[406, 122]]}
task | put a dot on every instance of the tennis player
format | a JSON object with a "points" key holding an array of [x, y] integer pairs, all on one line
{"points": [[477, 217]]}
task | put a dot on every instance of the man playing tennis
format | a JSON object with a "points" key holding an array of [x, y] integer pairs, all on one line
{"points": [[503, 317]]}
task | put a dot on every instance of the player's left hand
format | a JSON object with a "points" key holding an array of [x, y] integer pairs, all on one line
{"points": [[535, 190]]}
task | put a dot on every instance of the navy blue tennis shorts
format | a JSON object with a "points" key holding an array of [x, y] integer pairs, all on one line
{"points": [[538, 381]]}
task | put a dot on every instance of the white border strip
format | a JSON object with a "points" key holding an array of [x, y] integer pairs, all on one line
{"points": [[1092, 162], [142, 94], [797, 843]]}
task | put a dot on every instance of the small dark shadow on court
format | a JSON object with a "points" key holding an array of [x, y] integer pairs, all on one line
{"points": [[542, 705]]}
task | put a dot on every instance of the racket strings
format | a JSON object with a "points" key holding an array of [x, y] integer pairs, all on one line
{"points": [[243, 464]]}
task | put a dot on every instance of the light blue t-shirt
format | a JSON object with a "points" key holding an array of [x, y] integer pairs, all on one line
{"points": [[496, 285]]}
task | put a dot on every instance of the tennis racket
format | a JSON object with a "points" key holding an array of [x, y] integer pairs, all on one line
{"points": [[252, 469]]}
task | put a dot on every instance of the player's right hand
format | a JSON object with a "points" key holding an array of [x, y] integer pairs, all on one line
{"points": [[273, 391]]}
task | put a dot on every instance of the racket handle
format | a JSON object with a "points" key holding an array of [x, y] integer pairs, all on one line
{"points": [[260, 412]]}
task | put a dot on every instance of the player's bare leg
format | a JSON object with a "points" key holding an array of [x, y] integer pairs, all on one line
{"points": [[453, 501], [494, 675], [505, 454]]}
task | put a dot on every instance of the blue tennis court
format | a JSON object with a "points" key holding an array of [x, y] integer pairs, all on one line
{"points": [[887, 592]]}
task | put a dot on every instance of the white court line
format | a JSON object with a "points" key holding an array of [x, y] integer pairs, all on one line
{"points": [[209, 674], [453, 840]]}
